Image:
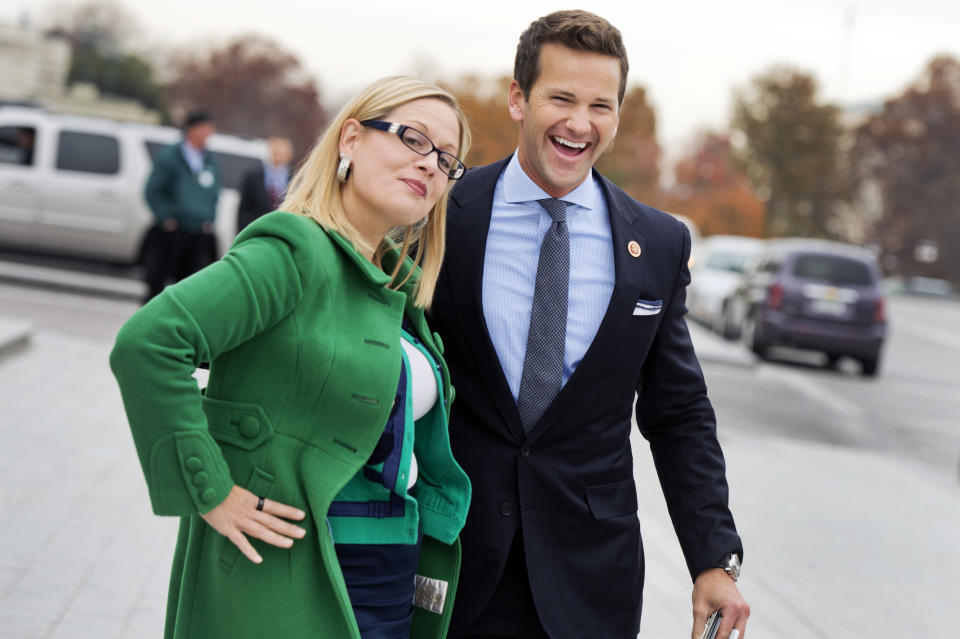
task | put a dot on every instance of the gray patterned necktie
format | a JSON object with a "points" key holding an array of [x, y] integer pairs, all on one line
{"points": [[543, 362]]}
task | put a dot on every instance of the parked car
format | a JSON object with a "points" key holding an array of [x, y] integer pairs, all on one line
{"points": [[73, 185], [932, 287], [714, 275], [815, 295], [694, 235]]}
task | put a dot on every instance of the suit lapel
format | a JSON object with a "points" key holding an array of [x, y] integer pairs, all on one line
{"points": [[468, 221], [628, 273]]}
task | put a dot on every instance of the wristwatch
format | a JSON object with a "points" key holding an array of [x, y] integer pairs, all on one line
{"points": [[731, 565]]}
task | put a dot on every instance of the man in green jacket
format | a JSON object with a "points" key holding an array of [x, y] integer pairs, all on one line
{"points": [[182, 193]]}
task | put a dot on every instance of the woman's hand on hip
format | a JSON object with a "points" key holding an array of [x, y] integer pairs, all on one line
{"points": [[237, 516]]}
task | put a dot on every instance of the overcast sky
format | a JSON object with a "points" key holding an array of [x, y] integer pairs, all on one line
{"points": [[689, 54]]}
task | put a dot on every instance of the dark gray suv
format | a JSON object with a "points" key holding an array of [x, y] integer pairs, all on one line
{"points": [[815, 295]]}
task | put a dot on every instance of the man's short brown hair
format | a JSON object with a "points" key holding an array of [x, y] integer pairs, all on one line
{"points": [[578, 30]]}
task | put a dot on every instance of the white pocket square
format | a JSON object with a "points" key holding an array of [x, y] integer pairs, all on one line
{"points": [[648, 307]]}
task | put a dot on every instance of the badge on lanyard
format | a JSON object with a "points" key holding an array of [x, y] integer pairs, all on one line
{"points": [[205, 178]]}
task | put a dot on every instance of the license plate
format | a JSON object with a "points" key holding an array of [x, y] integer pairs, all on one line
{"points": [[828, 307]]}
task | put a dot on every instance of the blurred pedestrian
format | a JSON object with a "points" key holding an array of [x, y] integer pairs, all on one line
{"points": [[561, 304], [327, 401], [182, 193], [25, 142], [264, 187]]}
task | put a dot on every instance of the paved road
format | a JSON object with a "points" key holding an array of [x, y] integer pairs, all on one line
{"points": [[844, 489]]}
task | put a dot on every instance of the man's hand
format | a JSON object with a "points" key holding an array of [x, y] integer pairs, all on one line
{"points": [[237, 516], [715, 589]]}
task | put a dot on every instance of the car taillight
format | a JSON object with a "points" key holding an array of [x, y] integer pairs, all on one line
{"points": [[879, 311], [775, 295]]}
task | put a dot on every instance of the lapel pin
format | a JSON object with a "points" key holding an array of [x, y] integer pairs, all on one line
{"points": [[634, 248]]}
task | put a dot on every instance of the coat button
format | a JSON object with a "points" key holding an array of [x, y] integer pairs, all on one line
{"points": [[208, 496], [506, 509], [249, 427], [193, 464], [200, 478], [524, 452]]}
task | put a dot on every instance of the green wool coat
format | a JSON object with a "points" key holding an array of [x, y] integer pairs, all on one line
{"points": [[304, 343]]}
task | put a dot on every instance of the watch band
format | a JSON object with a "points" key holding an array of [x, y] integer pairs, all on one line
{"points": [[731, 565]]}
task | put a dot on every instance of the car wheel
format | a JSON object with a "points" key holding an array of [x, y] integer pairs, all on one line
{"points": [[870, 366], [725, 326], [749, 338]]}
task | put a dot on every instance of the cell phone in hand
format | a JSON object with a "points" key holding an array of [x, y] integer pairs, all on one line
{"points": [[713, 625]]}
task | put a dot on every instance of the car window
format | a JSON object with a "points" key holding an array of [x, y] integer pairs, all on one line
{"points": [[232, 167], [154, 148], [770, 265], [835, 269], [88, 153], [16, 145], [723, 261]]}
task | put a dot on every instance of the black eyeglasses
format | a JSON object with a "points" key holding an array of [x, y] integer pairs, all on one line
{"points": [[419, 143]]}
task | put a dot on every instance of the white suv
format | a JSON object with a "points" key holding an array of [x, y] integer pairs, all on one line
{"points": [[74, 185]]}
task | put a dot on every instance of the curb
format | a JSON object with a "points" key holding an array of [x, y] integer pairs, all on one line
{"points": [[14, 335], [72, 281]]}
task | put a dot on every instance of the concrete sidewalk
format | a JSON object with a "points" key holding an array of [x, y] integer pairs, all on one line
{"points": [[840, 543]]}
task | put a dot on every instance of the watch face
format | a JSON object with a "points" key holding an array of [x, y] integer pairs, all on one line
{"points": [[732, 566]]}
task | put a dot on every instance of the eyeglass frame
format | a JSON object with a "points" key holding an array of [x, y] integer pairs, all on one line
{"points": [[399, 129]]}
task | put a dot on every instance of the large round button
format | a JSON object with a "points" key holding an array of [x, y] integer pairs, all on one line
{"points": [[208, 496], [193, 464], [249, 426], [200, 478], [506, 509], [524, 452]]}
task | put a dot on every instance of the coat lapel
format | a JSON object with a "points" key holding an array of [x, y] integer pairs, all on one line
{"points": [[625, 226], [468, 221]]}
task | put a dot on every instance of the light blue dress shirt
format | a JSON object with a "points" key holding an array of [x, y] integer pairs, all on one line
{"points": [[517, 226], [193, 156], [275, 180]]}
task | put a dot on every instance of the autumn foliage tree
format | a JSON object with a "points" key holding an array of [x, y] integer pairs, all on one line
{"points": [[484, 101], [253, 86], [712, 190], [632, 161], [793, 153], [911, 152]]}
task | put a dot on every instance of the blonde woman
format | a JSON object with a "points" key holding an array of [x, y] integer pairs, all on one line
{"points": [[313, 476]]}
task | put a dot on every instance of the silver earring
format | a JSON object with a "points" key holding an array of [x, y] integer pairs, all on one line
{"points": [[343, 169]]}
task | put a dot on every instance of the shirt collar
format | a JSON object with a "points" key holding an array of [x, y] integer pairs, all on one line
{"points": [[518, 187]]}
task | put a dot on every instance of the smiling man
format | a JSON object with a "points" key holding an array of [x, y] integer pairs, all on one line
{"points": [[562, 306]]}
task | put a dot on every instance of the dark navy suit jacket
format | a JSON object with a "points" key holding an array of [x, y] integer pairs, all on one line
{"points": [[569, 483]]}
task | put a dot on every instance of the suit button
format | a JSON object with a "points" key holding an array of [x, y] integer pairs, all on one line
{"points": [[524, 452], [506, 509], [200, 478], [249, 427], [208, 496], [193, 464]]}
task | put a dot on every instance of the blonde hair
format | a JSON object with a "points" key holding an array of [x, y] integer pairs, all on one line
{"points": [[315, 192]]}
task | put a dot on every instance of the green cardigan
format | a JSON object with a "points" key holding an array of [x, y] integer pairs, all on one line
{"points": [[304, 343]]}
